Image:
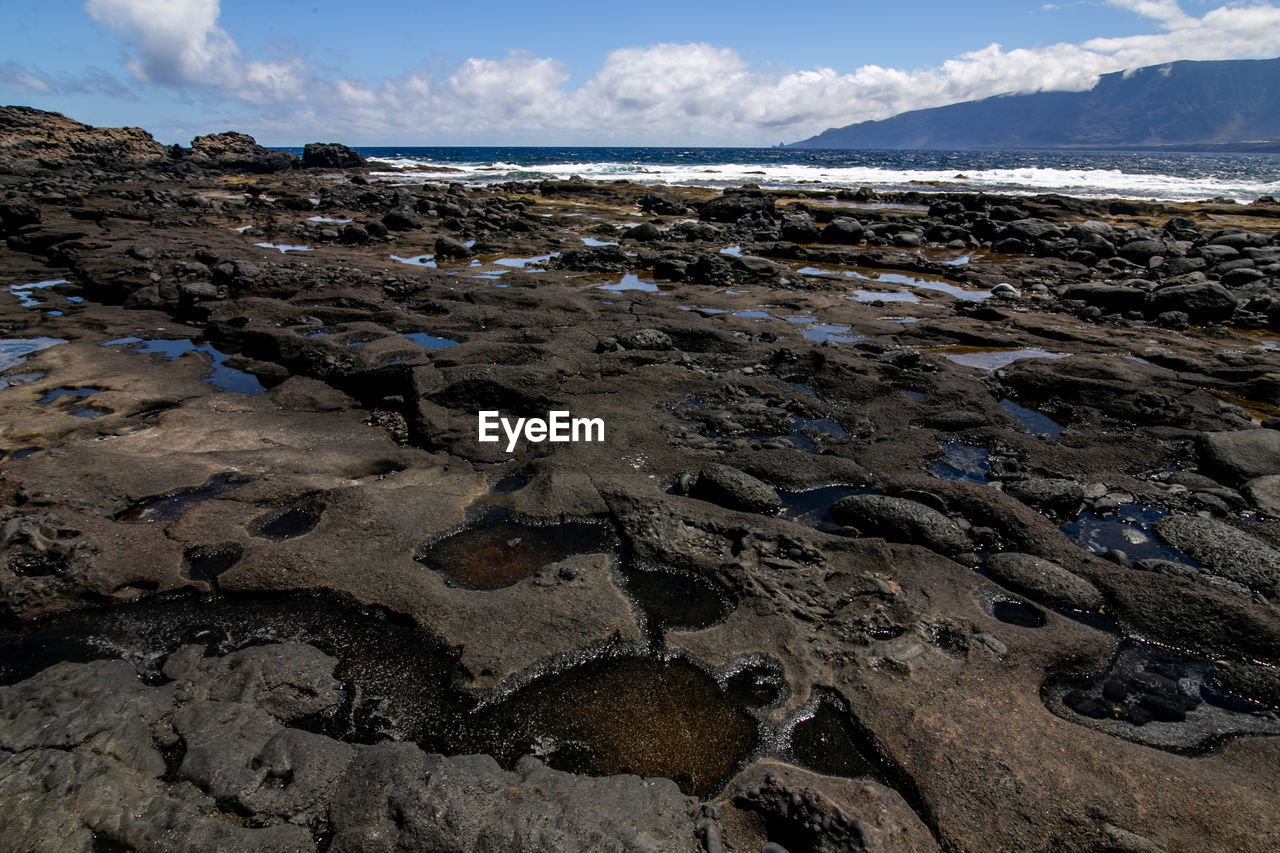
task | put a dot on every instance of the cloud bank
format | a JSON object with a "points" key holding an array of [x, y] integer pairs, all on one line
{"points": [[664, 93]]}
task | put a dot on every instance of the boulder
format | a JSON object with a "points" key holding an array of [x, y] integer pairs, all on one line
{"points": [[450, 249], [1092, 227], [1109, 297], [1142, 251], [842, 230], [735, 204], [710, 269], [1050, 494], [1223, 550], [330, 155], [1242, 455], [693, 231], [595, 259], [663, 202], [238, 152], [645, 232], [759, 268], [1029, 230], [402, 219], [646, 339], [799, 228], [1044, 581], [729, 487], [16, 212], [1238, 240], [901, 520], [1202, 302], [1264, 493]]}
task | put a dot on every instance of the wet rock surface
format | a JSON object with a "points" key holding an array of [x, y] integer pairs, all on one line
{"points": [[998, 578]]}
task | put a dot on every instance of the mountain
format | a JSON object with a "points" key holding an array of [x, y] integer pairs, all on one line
{"points": [[1227, 105]]}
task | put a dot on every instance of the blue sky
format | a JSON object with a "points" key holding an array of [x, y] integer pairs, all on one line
{"points": [[506, 73]]}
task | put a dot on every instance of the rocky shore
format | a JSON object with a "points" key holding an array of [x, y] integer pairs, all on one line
{"points": [[921, 521]]}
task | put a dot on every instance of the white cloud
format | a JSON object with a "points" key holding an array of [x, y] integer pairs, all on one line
{"points": [[1227, 32], [179, 42], [658, 94], [93, 81], [12, 76], [1167, 12]]}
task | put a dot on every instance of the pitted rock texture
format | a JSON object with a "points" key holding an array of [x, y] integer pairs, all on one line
{"points": [[265, 424]]}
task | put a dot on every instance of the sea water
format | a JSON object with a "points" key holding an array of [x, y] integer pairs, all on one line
{"points": [[1159, 176]]}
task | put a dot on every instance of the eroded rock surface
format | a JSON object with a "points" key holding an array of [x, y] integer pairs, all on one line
{"points": [[999, 578]]}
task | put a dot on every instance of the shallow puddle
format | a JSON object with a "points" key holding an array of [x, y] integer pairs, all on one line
{"points": [[1255, 409], [964, 294], [522, 263], [991, 358], [1009, 608], [808, 433], [1034, 422], [496, 550], [591, 241], [665, 718], [648, 716], [631, 281], [59, 393], [19, 379], [826, 741], [426, 341], [289, 522], [428, 260], [14, 351], [964, 462], [1128, 529], [823, 332], [220, 376], [759, 684], [874, 205], [172, 504], [861, 295], [674, 600], [329, 219], [1149, 696], [812, 506], [25, 292], [284, 247], [207, 562]]}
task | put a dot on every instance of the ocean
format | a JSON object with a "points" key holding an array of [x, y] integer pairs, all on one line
{"points": [[1157, 176]]}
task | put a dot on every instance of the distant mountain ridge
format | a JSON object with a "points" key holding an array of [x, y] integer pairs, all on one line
{"points": [[1223, 105]]}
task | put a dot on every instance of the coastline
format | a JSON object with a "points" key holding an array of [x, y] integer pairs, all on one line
{"points": [[843, 572], [1133, 175]]}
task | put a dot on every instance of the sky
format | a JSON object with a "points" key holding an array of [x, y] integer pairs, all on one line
{"points": [[690, 73]]}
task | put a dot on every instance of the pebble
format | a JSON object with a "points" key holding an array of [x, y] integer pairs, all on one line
{"points": [[991, 643], [1117, 556]]}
